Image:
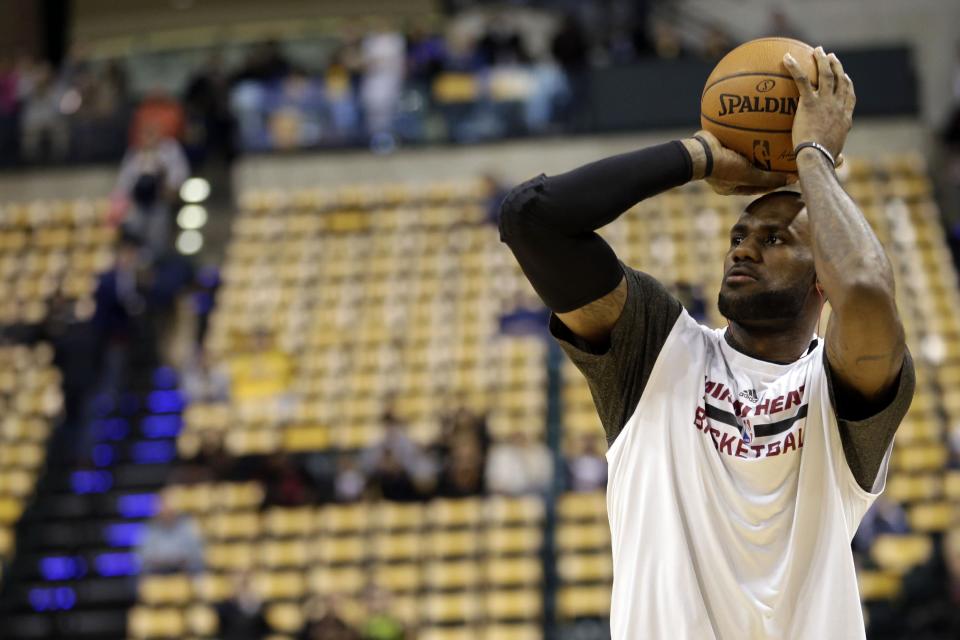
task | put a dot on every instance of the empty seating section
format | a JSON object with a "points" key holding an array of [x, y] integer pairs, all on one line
{"points": [[682, 236], [369, 294], [30, 398], [47, 249]]}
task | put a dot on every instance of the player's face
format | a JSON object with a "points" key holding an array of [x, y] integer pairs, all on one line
{"points": [[768, 273]]}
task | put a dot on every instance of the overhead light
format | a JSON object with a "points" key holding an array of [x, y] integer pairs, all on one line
{"points": [[192, 216], [189, 242], [195, 190]]}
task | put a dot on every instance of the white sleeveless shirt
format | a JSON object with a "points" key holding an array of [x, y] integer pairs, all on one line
{"points": [[728, 531]]}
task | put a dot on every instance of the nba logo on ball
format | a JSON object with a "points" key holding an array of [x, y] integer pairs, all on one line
{"points": [[761, 154]]}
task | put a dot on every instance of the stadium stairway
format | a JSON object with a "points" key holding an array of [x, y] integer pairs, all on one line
{"points": [[74, 575]]}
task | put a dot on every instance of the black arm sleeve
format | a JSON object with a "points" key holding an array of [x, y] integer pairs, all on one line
{"points": [[549, 222]]}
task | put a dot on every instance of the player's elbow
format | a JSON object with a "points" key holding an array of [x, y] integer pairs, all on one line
{"points": [[518, 211]]}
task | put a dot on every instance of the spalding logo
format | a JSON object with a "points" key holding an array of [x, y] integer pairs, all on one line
{"points": [[766, 85]]}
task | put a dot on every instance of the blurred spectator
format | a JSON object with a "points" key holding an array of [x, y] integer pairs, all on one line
{"points": [[350, 481], [502, 44], [380, 623], [263, 372], [266, 62], [569, 46], [117, 319], [426, 55], [885, 516], [397, 466], [929, 605], [326, 622], [587, 469], [462, 474], [204, 298], [8, 86], [717, 43], [44, 134], [149, 182], [779, 24], [205, 382], [241, 616], [517, 466], [170, 544], [211, 462], [383, 60], [285, 483], [210, 125], [158, 117], [666, 41], [691, 297]]}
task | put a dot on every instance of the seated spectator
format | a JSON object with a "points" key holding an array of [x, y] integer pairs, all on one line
{"points": [[157, 115], [285, 483], [44, 134], [885, 516], [241, 616], [326, 622], [462, 473], [211, 463], [380, 623], [171, 544], [517, 466], [691, 297], [397, 466], [264, 372], [204, 382], [587, 470], [350, 481]]}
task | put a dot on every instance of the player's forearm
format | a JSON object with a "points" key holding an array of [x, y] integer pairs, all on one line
{"points": [[549, 222], [848, 256]]}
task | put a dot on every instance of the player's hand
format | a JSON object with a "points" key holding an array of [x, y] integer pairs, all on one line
{"points": [[825, 114], [732, 173]]}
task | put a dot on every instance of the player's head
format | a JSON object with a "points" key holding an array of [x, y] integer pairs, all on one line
{"points": [[769, 281]]}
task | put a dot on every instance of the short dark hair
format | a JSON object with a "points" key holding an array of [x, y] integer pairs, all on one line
{"points": [[783, 193]]}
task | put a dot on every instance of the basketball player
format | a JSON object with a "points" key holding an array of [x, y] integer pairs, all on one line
{"points": [[742, 459]]}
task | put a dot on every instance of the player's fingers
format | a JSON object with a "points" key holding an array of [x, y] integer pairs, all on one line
{"points": [[803, 82], [825, 79], [840, 83], [850, 98], [768, 179]]}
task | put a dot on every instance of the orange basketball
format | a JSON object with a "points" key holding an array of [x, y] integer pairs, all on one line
{"points": [[750, 99]]}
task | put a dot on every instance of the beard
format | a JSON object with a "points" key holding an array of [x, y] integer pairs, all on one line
{"points": [[764, 308]]}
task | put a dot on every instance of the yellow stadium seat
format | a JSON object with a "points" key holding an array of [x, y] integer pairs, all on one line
{"points": [[280, 585], [461, 512], [284, 617], [510, 540], [340, 549], [145, 622], [878, 585], [577, 602], [514, 604], [397, 546], [284, 553], [451, 607], [343, 580], [513, 571], [898, 553], [507, 511], [289, 522], [394, 516], [230, 555], [583, 506], [585, 567], [932, 516], [201, 620], [452, 543], [590, 535], [522, 631], [165, 590], [337, 519], [400, 577], [452, 574]]}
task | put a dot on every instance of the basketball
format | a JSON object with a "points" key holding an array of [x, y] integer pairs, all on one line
{"points": [[750, 99]]}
